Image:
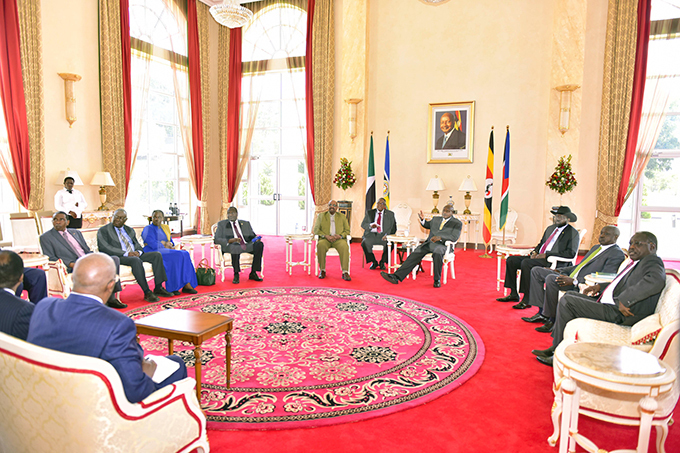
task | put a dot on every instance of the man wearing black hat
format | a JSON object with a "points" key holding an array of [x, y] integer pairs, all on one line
{"points": [[559, 239]]}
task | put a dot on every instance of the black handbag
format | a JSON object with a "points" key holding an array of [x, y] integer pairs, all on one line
{"points": [[205, 274]]}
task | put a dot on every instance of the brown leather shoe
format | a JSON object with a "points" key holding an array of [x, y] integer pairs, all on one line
{"points": [[322, 274], [346, 277]]}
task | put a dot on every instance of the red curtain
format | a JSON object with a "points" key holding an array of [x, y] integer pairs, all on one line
{"points": [[196, 101], [127, 87], [14, 102], [233, 108], [309, 97], [644, 9]]}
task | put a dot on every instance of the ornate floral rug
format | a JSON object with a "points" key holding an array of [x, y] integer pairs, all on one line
{"points": [[306, 357]]}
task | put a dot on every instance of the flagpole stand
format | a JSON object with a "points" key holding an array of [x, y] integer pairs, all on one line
{"points": [[486, 251]]}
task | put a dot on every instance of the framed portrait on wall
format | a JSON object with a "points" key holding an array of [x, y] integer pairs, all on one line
{"points": [[450, 132]]}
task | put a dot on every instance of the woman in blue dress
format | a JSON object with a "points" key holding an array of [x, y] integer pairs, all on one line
{"points": [[178, 266]]}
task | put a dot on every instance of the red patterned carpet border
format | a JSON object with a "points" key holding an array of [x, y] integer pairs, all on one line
{"points": [[308, 357]]}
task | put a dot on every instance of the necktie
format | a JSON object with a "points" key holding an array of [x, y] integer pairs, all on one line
{"points": [[607, 296], [544, 247], [73, 243], [238, 234], [443, 223], [128, 247], [379, 222], [578, 268]]}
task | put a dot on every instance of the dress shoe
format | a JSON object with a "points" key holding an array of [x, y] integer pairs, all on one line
{"points": [[538, 317], [544, 352], [236, 279], [160, 291], [383, 266], [374, 265], [521, 306], [547, 327], [346, 277], [115, 303], [150, 297], [176, 293], [437, 284], [389, 277], [189, 291], [322, 274], [509, 298], [546, 360], [255, 277]]}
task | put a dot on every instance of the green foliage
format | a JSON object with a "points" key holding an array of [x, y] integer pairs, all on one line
{"points": [[266, 183], [563, 178], [668, 136]]}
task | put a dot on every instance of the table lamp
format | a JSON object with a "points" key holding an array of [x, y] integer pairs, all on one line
{"points": [[68, 172], [435, 184], [467, 186], [102, 179]]}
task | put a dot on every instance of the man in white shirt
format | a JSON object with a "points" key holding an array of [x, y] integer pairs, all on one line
{"points": [[71, 201]]}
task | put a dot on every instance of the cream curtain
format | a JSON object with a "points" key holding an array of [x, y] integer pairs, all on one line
{"points": [[31, 70], [617, 87], [204, 19], [111, 99]]}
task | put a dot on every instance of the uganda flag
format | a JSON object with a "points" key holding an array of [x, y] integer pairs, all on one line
{"points": [[370, 180], [488, 193]]}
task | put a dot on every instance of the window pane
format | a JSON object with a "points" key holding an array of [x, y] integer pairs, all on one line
{"points": [[161, 107], [666, 227], [265, 142], [661, 185], [292, 143], [268, 115]]}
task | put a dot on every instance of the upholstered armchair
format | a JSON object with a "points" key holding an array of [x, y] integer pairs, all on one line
{"points": [[223, 260], [52, 401], [449, 260]]}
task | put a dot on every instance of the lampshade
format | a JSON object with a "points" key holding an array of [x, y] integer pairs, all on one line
{"points": [[68, 172], [231, 14], [468, 185], [102, 178], [435, 184]]}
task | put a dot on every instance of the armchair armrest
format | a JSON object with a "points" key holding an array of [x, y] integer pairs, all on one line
{"points": [[553, 260]]}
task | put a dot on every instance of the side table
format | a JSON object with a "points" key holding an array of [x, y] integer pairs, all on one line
{"points": [[503, 252], [393, 244], [616, 369], [188, 243], [306, 262], [39, 261]]}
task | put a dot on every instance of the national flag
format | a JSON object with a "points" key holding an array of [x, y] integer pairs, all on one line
{"points": [[386, 175], [370, 180], [505, 191], [488, 193]]}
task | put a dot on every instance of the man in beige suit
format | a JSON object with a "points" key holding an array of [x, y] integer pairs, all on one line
{"points": [[332, 228]]}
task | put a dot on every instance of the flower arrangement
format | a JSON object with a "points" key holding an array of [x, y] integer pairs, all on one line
{"points": [[563, 179], [344, 178]]}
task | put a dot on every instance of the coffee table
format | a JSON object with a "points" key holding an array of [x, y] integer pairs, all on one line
{"points": [[192, 326]]}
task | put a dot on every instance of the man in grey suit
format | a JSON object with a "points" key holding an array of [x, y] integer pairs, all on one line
{"points": [[442, 229], [605, 257], [377, 224], [118, 239], [629, 298], [67, 245], [236, 236], [15, 313]]}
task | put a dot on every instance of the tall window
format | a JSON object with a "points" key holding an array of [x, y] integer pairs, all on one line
{"points": [[275, 192], [160, 108], [655, 204]]}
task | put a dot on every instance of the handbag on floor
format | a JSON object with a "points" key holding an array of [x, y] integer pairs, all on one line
{"points": [[205, 274]]}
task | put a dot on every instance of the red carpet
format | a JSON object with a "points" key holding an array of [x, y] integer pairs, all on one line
{"points": [[505, 408]]}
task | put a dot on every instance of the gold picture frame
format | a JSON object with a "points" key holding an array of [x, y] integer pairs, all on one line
{"points": [[450, 133]]}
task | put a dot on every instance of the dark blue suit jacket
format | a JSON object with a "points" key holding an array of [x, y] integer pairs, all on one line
{"points": [[82, 325], [15, 314]]}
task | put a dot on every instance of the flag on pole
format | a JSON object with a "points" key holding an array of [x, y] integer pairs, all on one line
{"points": [[386, 175], [370, 180], [505, 192], [488, 193]]}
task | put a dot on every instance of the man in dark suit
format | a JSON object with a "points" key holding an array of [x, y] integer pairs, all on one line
{"points": [[377, 224], [605, 257], [629, 298], [235, 237], [559, 239], [453, 137], [81, 324], [15, 313], [118, 239], [67, 245], [442, 229]]}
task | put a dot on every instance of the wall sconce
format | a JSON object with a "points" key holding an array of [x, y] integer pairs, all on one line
{"points": [[353, 117], [435, 184], [69, 96], [565, 105], [102, 179], [468, 185]]}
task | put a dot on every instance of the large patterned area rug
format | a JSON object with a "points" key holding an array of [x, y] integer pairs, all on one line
{"points": [[306, 357]]}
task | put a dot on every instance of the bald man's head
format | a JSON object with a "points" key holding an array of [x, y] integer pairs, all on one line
{"points": [[95, 274]]}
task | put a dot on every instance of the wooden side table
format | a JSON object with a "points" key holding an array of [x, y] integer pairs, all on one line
{"points": [[307, 240], [616, 369], [502, 253], [188, 243], [191, 326]]}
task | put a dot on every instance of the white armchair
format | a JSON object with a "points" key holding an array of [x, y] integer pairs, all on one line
{"points": [[52, 401], [333, 252], [449, 259], [553, 260], [510, 228], [402, 214], [223, 260]]}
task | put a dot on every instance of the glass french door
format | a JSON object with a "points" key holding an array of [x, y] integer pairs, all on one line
{"points": [[278, 195]]}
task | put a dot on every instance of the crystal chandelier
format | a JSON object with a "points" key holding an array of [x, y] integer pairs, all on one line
{"points": [[231, 14]]}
